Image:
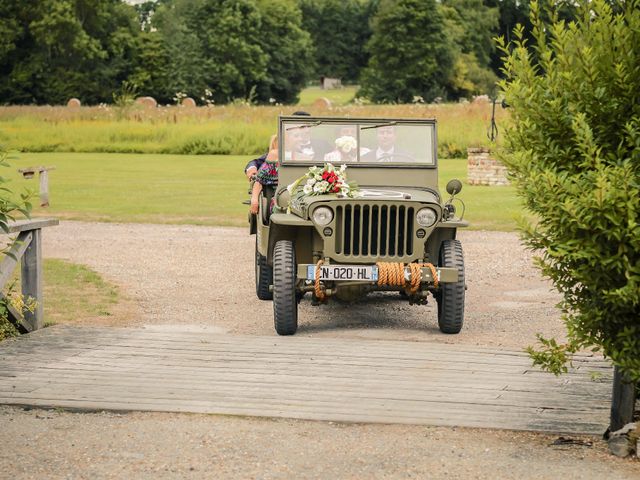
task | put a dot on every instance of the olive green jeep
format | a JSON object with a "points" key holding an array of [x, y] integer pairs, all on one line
{"points": [[391, 232]]}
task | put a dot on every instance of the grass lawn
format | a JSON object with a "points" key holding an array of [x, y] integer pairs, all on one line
{"points": [[75, 293], [338, 96], [196, 189]]}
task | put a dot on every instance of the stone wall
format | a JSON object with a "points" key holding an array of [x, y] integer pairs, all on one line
{"points": [[482, 169]]}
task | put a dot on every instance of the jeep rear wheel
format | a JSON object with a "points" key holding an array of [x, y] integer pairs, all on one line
{"points": [[285, 303], [450, 297], [264, 277]]}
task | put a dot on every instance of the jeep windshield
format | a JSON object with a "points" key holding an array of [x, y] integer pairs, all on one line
{"points": [[366, 142]]}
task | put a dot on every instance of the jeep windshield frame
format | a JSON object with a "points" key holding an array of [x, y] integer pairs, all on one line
{"points": [[358, 142]]}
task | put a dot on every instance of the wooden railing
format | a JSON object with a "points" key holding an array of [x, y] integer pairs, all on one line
{"points": [[26, 249]]}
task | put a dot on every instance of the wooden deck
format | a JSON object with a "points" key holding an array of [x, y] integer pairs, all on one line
{"points": [[299, 377]]}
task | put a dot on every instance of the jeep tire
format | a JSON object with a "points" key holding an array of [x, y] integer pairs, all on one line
{"points": [[450, 296], [264, 277], [285, 303]]}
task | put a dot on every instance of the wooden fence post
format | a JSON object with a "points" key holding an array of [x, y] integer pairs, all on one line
{"points": [[32, 280], [622, 402]]}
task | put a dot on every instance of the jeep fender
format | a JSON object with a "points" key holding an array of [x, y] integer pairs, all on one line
{"points": [[291, 227]]}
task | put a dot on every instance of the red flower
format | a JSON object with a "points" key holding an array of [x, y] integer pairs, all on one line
{"points": [[335, 189], [325, 175]]}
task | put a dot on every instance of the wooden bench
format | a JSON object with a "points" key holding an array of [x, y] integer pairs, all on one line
{"points": [[27, 249]]}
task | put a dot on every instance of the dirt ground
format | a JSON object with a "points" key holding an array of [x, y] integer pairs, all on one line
{"points": [[187, 277]]}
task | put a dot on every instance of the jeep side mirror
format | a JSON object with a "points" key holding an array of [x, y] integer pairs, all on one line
{"points": [[454, 187]]}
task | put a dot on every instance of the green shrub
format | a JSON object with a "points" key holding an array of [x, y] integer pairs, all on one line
{"points": [[574, 154]]}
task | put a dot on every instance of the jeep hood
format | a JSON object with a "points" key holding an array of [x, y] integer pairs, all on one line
{"points": [[382, 194]]}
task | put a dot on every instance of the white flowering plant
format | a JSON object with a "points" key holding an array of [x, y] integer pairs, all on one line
{"points": [[324, 180]]}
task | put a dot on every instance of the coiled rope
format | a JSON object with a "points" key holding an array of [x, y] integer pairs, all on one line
{"points": [[389, 274], [320, 295]]}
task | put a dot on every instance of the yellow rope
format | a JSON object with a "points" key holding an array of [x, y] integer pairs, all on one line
{"points": [[320, 295], [392, 274]]}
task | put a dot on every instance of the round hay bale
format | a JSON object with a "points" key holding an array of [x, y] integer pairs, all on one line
{"points": [[147, 102], [188, 102], [322, 103], [74, 103]]}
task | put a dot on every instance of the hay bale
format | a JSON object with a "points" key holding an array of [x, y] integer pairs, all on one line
{"points": [[322, 103], [74, 103], [146, 102], [188, 102]]}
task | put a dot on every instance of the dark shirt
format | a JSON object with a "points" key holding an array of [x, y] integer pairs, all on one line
{"points": [[256, 162]]}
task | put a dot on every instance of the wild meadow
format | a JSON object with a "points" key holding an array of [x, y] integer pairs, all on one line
{"points": [[215, 130]]}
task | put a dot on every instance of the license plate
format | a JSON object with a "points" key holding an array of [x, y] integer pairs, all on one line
{"points": [[367, 273]]}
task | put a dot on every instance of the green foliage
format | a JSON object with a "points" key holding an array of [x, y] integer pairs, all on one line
{"points": [[288, 48], [10, 208], [471, 25], [411, 55], [57, 49], [339, 29], [574, 153]]}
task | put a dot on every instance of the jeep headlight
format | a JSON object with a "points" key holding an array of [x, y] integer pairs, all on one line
{"points": [[426, 217], [322, 216]]}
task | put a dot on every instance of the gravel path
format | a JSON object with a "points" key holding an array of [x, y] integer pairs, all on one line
{"points": [[202, 277], [187, 277]]}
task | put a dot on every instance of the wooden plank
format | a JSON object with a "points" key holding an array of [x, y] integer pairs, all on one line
{"points": [[32, 224], [13, 256], [32, 281], [310, 378], [332, 391]]}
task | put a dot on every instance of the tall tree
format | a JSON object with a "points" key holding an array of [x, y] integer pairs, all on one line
{"points": [[288, 49], [411, 54], [339, 29], [472, 26], [64, 48]]}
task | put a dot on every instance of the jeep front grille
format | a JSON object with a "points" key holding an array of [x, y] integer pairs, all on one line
{"points": [[374, 230]]}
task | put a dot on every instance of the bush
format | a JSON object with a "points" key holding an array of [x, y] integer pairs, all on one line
{"points": [[574, 154], [9, 209]]}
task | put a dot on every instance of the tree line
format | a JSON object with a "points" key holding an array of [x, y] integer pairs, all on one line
{"points": [[263, 51]]}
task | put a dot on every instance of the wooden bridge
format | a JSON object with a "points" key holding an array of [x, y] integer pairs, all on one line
{"points": [[299, 377]]}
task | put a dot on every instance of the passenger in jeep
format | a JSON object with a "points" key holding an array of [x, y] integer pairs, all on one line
{"points": [[266, 176]]}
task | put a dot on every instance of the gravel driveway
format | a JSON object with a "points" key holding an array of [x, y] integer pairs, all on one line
{"points": [[188, 277], [203, 277]]}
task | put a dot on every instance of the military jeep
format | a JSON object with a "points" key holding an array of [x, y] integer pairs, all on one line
{"points": [[394, 232]]}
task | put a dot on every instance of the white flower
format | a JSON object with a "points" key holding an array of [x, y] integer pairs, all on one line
{"points": [[343, 168], [346, 143], [311, 181], [307, 189], [318, 177]]}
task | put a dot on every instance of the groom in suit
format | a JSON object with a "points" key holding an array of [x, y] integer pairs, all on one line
{"points": [[386, 150]]}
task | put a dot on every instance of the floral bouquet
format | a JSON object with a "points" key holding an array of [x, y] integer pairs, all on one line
{"points": [[347, 146], [322, 181]]}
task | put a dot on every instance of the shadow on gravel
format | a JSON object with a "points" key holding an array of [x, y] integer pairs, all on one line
{"points": [[381, 311]]}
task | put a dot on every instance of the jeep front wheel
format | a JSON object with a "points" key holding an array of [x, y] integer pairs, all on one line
{"points": [[285, 304], [450, 297]]}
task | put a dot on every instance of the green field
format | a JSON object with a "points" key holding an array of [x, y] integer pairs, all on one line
{"points": [[196, 189], [338, 96], [219, 130]]}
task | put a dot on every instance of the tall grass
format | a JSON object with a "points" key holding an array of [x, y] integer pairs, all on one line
{"points": [[231, 129]]}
